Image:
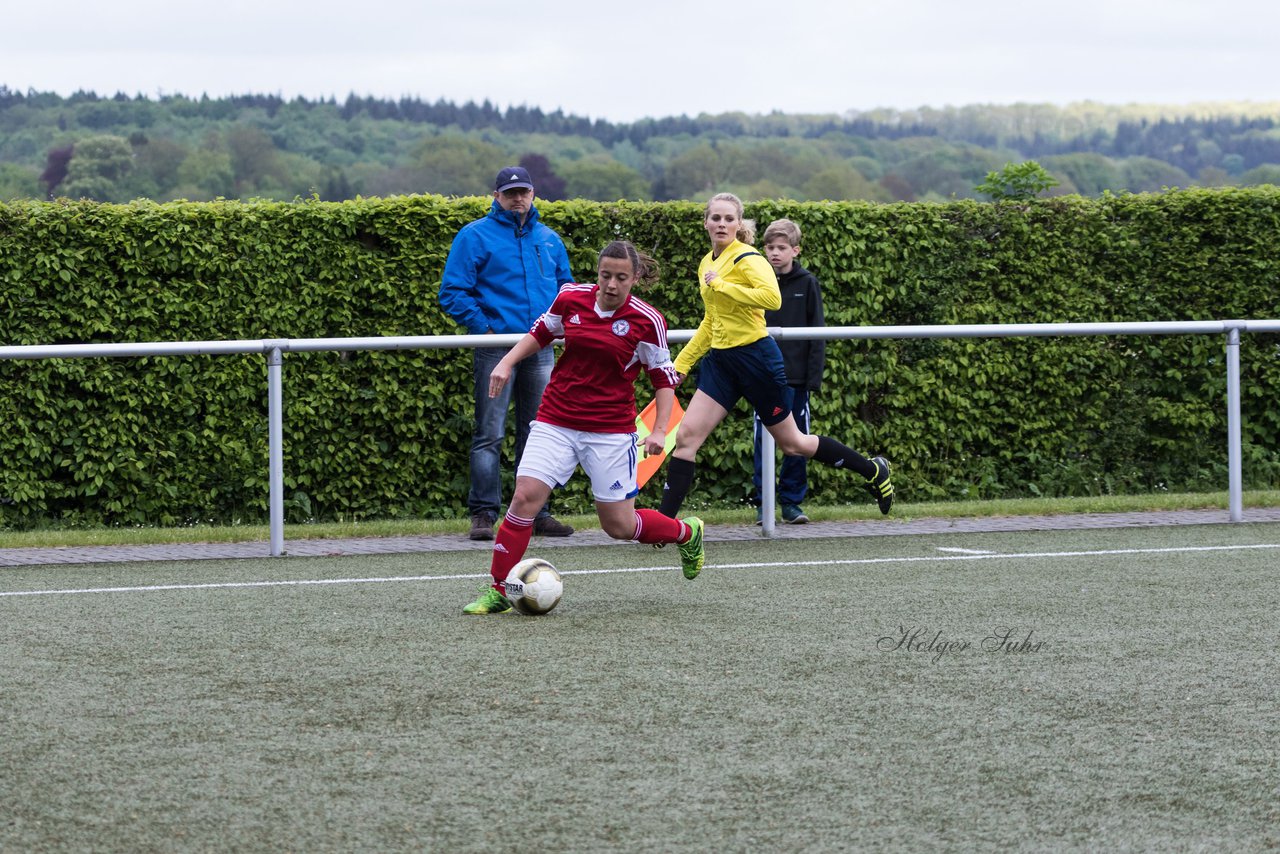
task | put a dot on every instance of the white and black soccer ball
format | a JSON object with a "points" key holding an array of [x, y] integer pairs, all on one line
{"points": [[534, 586]]}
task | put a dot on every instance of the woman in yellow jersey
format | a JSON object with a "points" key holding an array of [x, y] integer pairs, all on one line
{"points": [[740, 360]]}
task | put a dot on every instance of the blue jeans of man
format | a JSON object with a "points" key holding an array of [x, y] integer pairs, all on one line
{"points": [[528, 380], [793, 479]]}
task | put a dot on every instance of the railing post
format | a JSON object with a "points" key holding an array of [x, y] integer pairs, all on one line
{"points": [[275, 448], [768, 480], [1235, 479]]}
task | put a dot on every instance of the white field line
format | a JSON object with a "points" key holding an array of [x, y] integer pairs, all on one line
{"points": [[966, 551], [227, 585], [870, 561]]}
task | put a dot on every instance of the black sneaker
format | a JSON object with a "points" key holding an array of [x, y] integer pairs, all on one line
{"points": [[481, 527], [879, 485], [550, 526]]}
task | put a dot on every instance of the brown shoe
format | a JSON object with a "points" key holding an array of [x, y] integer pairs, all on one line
{"points": [[481, 527], [550, 526]]}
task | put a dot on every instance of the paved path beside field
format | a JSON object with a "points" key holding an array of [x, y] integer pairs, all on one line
{"points": [[715, 533]]}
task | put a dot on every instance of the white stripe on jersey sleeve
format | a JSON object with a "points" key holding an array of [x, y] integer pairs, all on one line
{"points": [[554, 324], [659, 322], [653, 356]]}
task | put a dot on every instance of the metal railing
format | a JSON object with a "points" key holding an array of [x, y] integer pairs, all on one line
{"points": [[274, 350], [1230, 328]]}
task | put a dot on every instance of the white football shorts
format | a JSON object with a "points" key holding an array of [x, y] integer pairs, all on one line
{"points": [[552, 453]]}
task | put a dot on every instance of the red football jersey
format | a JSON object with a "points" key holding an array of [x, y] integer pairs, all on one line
{"points": [[593, 383]]}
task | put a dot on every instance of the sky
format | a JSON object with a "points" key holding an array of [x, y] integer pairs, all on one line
{"points": [[656, 58]]}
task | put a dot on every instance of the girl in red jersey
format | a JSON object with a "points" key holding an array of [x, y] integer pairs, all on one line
{"points": [[588, 415]]}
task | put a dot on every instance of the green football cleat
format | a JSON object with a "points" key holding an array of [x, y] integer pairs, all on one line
{"points": [[490, 602], [691, 553], [879, 485]]}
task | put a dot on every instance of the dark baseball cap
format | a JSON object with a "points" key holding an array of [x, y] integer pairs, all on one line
{"points": [[511, 177]]}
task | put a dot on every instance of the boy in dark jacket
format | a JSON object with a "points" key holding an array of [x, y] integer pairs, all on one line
{"points": [[804, 361]]}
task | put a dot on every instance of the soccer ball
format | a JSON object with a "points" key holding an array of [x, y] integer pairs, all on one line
{"points": [[534, 586]]}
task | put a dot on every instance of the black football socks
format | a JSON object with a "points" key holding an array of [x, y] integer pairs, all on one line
{"points": [[832, 453], [679, 482]]}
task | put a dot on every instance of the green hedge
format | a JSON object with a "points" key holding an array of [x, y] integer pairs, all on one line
{"points": [[175, 440]]}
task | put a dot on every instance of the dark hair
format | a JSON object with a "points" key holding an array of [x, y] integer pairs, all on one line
{"points": [[645, 268]]}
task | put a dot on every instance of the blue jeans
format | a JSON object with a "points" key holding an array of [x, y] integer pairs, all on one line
{"points": [[793, 480], [525, 390]]}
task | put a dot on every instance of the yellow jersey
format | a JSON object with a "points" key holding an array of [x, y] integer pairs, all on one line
{"points": [[744, 288]]}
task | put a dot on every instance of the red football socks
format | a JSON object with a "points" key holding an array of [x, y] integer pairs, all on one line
{"points": [[653, 527], [509, 546]]}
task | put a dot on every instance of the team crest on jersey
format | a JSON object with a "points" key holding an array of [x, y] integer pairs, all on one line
{"points": [[621, 327]]}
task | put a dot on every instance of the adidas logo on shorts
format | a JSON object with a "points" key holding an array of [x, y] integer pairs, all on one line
{"points": [[617, 484]]}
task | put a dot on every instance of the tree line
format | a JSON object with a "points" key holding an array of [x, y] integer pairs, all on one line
{"points": [[119, 148]]}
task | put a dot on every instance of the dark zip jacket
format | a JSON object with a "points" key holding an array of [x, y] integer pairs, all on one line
{"points": [[801, 306]]}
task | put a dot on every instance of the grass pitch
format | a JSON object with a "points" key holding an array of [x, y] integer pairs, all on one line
{"points": [[1084, 690]]}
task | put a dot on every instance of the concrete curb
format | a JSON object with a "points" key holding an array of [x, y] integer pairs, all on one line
{"points": [[595, 537]]}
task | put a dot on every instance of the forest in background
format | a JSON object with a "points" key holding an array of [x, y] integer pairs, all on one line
{"points": [[119, 148]]}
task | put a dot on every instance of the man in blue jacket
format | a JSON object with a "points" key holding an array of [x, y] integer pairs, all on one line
{"points": [[503, 271]]}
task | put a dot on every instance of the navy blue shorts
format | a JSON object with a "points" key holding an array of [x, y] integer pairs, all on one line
{"points": [[753, 371]]}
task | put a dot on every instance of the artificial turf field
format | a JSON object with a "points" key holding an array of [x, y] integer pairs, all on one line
{"points": [[1083, 690]]}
